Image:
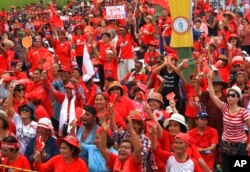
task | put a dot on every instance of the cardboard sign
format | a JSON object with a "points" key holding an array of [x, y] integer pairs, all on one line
{"points": [[115, 12], [27, 42]]}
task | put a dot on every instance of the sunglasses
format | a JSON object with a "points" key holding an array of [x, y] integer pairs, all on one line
{"points": [[25, 110], [232, 95], [19, 90], [115, 88]]}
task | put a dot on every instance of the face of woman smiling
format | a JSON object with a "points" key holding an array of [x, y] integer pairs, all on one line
{"points": [[100, 101]]}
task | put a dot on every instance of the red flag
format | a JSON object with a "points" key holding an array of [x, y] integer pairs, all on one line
{"points": [[163, 3], [112, 97]]}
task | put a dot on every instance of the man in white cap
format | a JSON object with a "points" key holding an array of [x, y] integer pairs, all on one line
{"points": [[44, 142]]}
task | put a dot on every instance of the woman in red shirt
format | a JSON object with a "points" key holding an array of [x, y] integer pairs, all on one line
{"points": [[147, 31], [12, 157], [79, 39], [63, 49], [105, 111], [68, 160]]}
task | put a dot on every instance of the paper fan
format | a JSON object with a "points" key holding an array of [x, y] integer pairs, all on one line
{"points": [[170, 96], [158, 114]]}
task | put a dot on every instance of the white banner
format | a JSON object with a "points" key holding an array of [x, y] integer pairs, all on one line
{"points": [[115, 12]]}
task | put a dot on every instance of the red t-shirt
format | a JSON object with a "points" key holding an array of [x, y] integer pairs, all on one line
{"points": [[209, 137], [149, 57], [58, 164], [79, 44], [35, 56], [146, 38], [103, 47], [110, 68], [20, 162], [126, 46], [129, 165], [123, 106], [4, 61], [131, 76], [41, 113], [63, 50]]}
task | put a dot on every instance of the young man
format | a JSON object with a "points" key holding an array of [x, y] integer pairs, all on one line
{"points": [[205, 138]]}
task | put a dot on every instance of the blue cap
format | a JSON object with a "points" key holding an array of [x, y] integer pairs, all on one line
{"points": [[202, 114]]}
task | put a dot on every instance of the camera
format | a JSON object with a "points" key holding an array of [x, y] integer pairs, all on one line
{"points": [[65, 129]]}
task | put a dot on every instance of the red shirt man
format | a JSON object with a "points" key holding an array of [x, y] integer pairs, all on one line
{"points": [[205, 139]]}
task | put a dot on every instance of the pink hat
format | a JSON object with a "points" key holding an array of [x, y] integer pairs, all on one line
{"points": [[45, 123]]}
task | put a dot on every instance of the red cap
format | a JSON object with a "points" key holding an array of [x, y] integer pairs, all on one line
{"points": [[34, 95], [71, 139], [66, 69], [79, 112], [154, 43], [233, 35], [173, 56], [69, 85]]}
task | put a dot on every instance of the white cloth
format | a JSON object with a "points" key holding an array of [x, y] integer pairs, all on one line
{"points": [[24, 133], [64, 113]]}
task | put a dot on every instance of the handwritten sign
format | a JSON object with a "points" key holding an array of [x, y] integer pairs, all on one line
{"points": [[115, 12]]}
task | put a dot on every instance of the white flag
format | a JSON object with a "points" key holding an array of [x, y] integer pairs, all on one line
{"points": [[87, 66]]}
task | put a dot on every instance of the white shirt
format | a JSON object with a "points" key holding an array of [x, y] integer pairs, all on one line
{"points": [[175, 166], [24, 133]]}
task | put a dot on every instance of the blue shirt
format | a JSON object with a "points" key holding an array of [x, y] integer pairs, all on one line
{"points": [[96, 162], [90, 140]]}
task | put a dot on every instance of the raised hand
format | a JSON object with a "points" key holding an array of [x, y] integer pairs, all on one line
{"points": [[105, 124]]}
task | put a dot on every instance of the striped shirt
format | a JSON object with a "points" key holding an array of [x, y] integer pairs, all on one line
{"points": [[234, 125]]}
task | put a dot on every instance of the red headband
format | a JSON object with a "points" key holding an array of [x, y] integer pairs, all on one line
{"points": [[10, 145], [185, 138]]}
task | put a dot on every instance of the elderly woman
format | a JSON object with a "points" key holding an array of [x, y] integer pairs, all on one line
{"points": [[44, 136], [68, 160], [234, 139]]}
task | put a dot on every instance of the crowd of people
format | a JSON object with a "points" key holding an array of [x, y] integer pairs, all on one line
{"points": [[138, 111]]}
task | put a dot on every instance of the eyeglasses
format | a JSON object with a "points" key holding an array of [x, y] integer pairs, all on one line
{"points": [[232, 95]]}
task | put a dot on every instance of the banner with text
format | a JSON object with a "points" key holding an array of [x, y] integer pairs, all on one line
{"points": [[115, 12]]}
